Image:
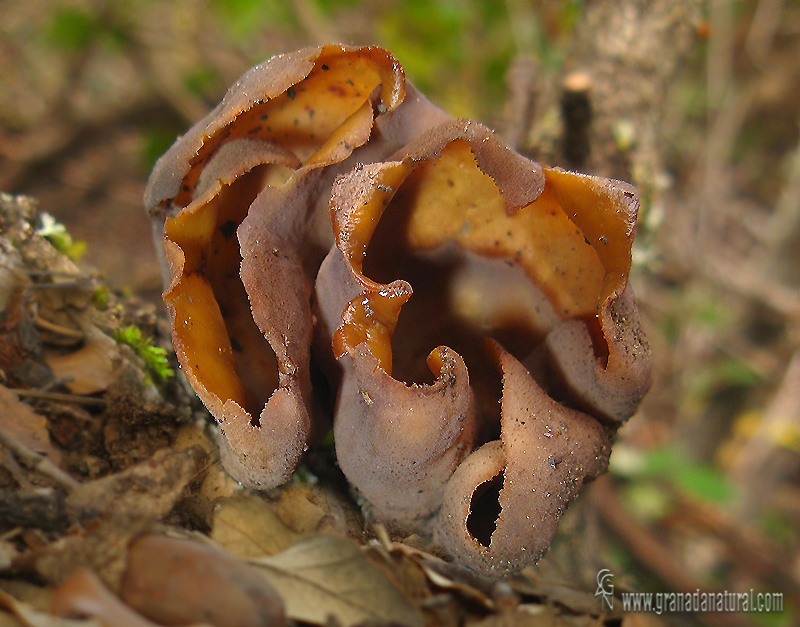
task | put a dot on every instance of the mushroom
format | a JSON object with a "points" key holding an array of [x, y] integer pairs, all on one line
{"points": [[507, 259], [477, 302], [239, 205]]}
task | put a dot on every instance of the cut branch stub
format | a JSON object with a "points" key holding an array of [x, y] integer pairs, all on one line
{"points": [[456, 240]]}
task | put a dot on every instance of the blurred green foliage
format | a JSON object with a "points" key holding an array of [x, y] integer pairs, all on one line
{"points": [[244, 18], [458, 51], [204, 81], [156, 142], [722, 374], [74, 29], [57, 234], [670, 468]]}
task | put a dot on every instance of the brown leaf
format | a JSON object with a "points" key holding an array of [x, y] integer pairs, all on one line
{"points": [[248, 527], [90, 368], [14, 613], [26, 426], [316, 508], [175, 581], [326, 576], [99, 546], [84, 595], [531, 616]]}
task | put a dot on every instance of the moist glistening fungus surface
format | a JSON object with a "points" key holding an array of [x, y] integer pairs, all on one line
{"points": [[470, 307]]}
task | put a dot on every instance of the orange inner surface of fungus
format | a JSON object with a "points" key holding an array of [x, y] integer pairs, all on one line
{"points": [[216, 338], [307, 115], [449, 204]]}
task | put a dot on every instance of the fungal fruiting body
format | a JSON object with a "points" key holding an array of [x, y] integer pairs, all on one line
{"points": [[236, 204], [487, 342], [458, 259]]}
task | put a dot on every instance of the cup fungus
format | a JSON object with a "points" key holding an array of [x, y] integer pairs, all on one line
{"points": [[499, 251], [236, 203], [477, 302]]}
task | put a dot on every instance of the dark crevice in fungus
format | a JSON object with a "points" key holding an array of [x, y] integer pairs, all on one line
{"points": [[484, 510], [461, 293], [256, 363]]}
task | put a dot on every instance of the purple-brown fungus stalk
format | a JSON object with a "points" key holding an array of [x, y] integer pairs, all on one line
{"points": [[486, 340]]}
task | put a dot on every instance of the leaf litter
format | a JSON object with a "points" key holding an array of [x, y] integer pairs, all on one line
{"points": [[111, 473]]}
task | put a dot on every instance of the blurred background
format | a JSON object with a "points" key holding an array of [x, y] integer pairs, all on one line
{"points": [[696, 103]]}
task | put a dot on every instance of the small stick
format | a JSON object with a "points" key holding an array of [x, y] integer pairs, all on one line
{"points": [[57, 328], [59, 396], [61, 284], [36, 462]]}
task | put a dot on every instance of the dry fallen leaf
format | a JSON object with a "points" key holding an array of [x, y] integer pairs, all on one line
{"points": [[176, 581], [325, 576], [316, 508], [25, 425], [526, 616], [90, 368], [14, 613], [147, 490], [84, 595], [248, 527]]}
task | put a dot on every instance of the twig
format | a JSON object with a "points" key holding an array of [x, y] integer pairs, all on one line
{"points": [[763, 27], [57, 328], [58, 396], [743, 279], [752, 552], [647, 548], [36, 462], [786, 213], [311, 21], [759, 467], [12, 466], [49, 273], [520, 103], [57, 285]]}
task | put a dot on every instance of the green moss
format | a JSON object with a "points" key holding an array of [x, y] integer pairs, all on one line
{"points": [[56, 233], [154, 357], [100, 298]]}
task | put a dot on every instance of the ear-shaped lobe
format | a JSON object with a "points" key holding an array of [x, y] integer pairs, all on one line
{"points": [[454, 241], [239, 205], [303, 102], [501, 507]]}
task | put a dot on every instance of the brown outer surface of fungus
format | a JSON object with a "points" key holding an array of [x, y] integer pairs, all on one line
{"points": [[236, 204], [522, 300], [571, 236], [545, 453]]}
